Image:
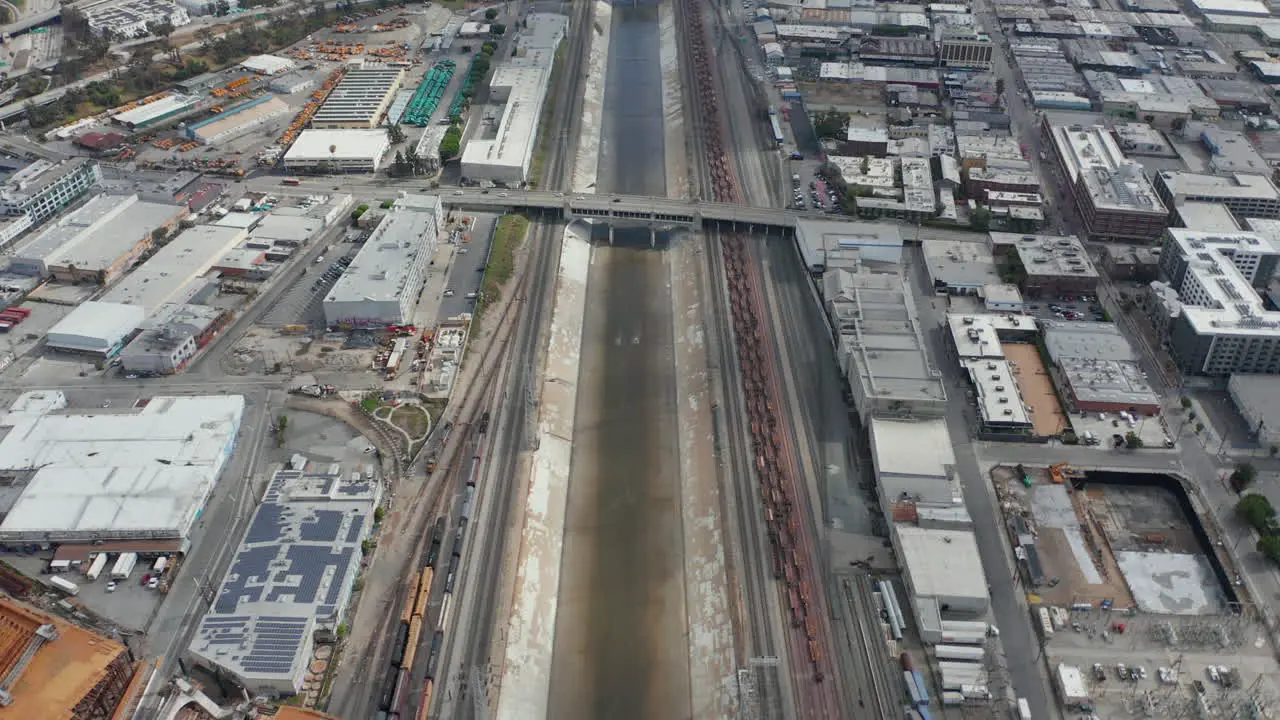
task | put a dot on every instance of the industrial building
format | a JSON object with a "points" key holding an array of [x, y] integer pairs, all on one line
{"points": [[338, 151], [172, 337], [1051, 266], [96, 328], [204, 7], [829, 245], [382, 284], [914, 463], [12, 227], [131, 18], [1215, 321], [963, 47], [1097, 369], [520, 83], [158, 111], [123, 474], [1245, 195], [96, 242], [879, 344], [1001, 408], [1231, 152], [359, 100], [55, 670], [1112, 194], [171, 275], [41, 189], [291, 577], [238, 120], [959, 268], [943, 566], [1206, 216], [1257, 399], [982, 335], [267, 64]]}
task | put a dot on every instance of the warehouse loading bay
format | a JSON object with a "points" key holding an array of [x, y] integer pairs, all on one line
{"points": [[1136, 615]]}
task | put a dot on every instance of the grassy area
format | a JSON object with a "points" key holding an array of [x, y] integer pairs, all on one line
{"points": [[411, 419], [502, 260], [435, 408], [382, 413], [548, 111], [369, 402]]}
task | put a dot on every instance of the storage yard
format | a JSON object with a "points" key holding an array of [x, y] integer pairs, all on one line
{"points": [[1129, 598]]}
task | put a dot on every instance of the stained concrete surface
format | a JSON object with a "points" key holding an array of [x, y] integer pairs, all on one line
{"points": [[1171, 583], [620, 634]]}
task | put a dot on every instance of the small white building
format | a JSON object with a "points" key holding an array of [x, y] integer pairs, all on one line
{"points": [[96, 328], [267, 64], [945, 565], [339, 151], [1071, 685]]}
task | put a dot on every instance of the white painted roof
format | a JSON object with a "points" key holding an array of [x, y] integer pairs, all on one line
{"points": [[313, 145], [95, 326], [902, 447]]}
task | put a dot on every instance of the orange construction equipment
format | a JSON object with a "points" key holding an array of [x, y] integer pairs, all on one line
{"points": [[1061, 472]]}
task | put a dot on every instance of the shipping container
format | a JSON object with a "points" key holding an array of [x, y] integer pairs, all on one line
{"points": [[1024, 709], [161, 564], [24, 312], [951, 698], [97, 566], [64, 585], [124, 565], [60, 565]]}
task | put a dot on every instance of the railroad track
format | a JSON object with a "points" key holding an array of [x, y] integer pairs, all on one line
{"points": [[748, 562]]}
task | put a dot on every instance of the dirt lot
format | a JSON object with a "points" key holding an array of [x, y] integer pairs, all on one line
{"points": [[1037, 388]]}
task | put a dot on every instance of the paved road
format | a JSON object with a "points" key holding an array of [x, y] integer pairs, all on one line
{"points": [[1021, 649]]}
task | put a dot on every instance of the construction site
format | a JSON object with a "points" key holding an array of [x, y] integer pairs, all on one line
{"points": [[1134, 601]]}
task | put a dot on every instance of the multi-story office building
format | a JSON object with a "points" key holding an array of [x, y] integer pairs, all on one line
{"points": [[42, 188], [1245, 195], [1113, 196], [1218, 323]]}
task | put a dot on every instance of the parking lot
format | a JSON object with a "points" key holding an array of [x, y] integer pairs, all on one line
{"points": [[1076, 308]]}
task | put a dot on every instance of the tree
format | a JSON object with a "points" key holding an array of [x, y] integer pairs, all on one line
{"points": [[980, 219], [999, 86], [1199, 428], [379, 513], [395, 134], [1132, 441], [490, 14], [1243, 476], [497, 29], [1186, 402], [1269, 546], [399, 166], [1256, 510], [161, 30]]}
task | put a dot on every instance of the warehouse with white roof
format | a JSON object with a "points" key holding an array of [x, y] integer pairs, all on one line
{"points": [[90, 474], [152, 113], [293, 574], [381, 285], [96, 328], [171, 274], [338, 151], [97, 241], [944, 566], [267, 64]]}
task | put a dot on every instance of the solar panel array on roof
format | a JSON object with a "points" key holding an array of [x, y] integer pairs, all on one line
{"points": [[292, 573]]}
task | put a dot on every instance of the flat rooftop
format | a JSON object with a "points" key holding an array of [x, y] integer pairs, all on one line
{"points": [[348, 144], [976, 335], [164, 277], [942, 563], [1113, 181], [292, 573], [884, 342], [831, 244], [61, 672], [1236, 185], [106, 474], [912, 448], [960, 264], [1054, 256], [1231, 305], [95, 235], [999, 399], [382, 268]]}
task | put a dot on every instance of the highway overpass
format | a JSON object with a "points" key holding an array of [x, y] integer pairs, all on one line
{"points": [[632, 209], [31, 21]]}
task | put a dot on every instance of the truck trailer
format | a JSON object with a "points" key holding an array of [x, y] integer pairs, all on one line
{"points": [[64, 585], [124, 566], [97, 566]]}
